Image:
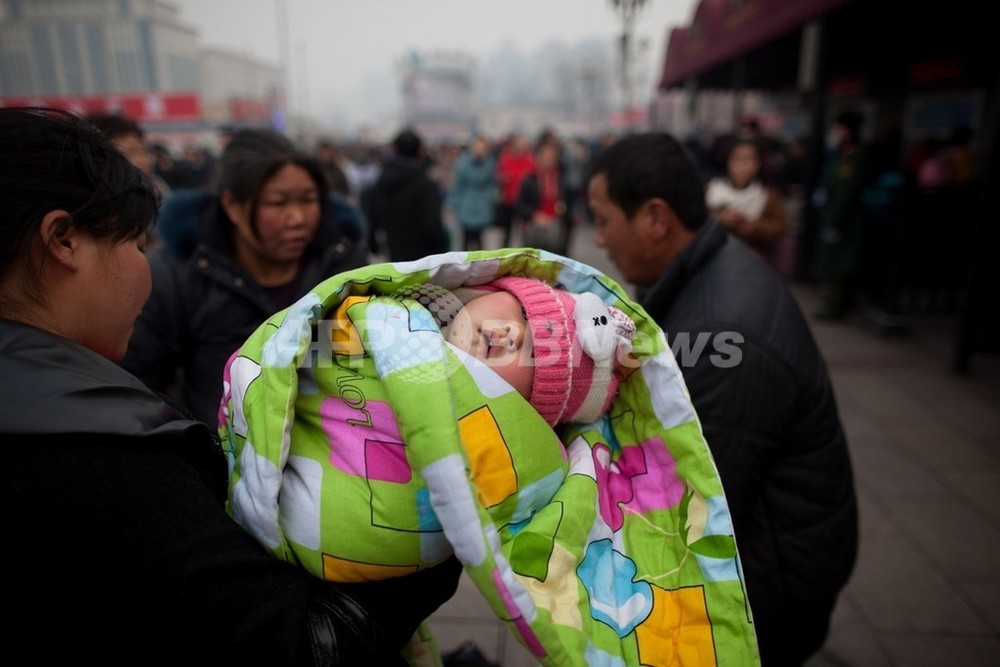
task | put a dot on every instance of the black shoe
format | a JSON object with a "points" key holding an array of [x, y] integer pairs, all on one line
{"points": [[466, 655]]}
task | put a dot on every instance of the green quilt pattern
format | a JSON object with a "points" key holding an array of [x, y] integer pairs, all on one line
{"points": [[604, 544]]}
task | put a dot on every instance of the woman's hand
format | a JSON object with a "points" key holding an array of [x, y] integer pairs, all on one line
{"points": [[398, 605], [730, 218]]}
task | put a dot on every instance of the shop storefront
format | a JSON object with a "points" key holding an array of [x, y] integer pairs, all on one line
{"points": [[919, 74]]}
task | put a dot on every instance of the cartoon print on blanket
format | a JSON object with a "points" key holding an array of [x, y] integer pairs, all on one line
{"points": [[363, 446]]}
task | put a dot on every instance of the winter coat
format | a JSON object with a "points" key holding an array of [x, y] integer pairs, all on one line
{"points": [[474, 192], [511, 170], [125, 552], [767, 407], [406, 204], [86, 442], [204, 305], [766, 224]]}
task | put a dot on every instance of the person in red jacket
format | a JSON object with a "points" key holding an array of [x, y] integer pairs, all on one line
{"points": [[515, 162]]}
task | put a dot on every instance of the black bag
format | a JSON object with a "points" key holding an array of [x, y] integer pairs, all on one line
{"points": [[544, 236]]}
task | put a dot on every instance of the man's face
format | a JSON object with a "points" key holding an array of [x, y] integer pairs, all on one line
{"points": [[135, 150], [630, 244]]}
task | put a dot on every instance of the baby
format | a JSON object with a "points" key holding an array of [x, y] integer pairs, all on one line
{"points": [[558, 350], [348, 503]]}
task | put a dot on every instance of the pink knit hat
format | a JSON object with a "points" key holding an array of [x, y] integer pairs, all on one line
{"points": [[577, 342]]}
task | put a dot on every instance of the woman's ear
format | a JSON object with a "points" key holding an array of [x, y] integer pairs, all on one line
{"points": [[235, 211], [61, 239]]}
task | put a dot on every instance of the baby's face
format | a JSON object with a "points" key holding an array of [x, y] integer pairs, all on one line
{"points": [[493, 329]]}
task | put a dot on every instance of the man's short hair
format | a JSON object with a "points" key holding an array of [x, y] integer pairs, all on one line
{"points": [[653, 165], [115, 125], [407, 143]]}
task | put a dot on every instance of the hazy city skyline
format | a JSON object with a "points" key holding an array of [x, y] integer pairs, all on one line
{"points": [[343, 55]]}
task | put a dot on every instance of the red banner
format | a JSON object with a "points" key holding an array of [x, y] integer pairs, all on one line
{"points": [[244, 109], [629, 118], [141, 107]]}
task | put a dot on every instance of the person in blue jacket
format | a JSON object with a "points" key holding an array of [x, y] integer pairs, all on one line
{"points": [[473, 195]]}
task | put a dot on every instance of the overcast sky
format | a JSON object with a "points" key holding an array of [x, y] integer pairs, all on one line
{"points": [[338, 48]]}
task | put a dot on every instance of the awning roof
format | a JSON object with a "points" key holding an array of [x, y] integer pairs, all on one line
{"points": [[720, 32]]}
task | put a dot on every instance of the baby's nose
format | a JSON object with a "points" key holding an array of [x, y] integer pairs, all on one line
{"points": [[501, 336]]}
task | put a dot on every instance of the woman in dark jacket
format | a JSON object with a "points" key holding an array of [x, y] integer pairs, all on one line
{"points": [[125, 554], [264, 240], [541, 202]]}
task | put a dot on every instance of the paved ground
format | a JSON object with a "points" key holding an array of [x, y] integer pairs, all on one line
{"points": [[926, 450]]}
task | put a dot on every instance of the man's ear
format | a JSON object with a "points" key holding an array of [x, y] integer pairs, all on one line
{"points": [[61, 239], [661, 217]]}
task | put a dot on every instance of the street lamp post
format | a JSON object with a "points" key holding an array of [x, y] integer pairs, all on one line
{"points": [[627, 11], [281, 32], [588, 72]]}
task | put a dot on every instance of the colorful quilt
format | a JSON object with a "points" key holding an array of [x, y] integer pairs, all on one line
{"points": [[602, 544]]}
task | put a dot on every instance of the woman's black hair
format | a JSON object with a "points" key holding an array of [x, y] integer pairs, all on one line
{"points": [[253, 156], [645, 166], [56, 160]]}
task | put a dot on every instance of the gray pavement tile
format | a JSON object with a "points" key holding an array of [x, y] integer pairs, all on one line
{"points": [[964, 409], [957, 538], [985, 597], [936, 650], [861, 429], [889, 472], [942, 446], [515, 654], [990, 444], [467, 617], [872, 521], [981, 488], [876, 393], [467, 603], [851, 641], [486, 635], [846, 346], [979, 419], [897, 590]]}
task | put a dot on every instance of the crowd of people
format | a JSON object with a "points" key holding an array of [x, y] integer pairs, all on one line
{"points": [[123, 357], [490, 192]]}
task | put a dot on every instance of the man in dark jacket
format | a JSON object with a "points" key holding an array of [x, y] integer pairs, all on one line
{"points": [[406, 204], [757, 381]]}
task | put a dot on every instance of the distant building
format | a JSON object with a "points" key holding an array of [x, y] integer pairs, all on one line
{"points": [[95, 47], [136, 57], [438, 94], [237, 89]]}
